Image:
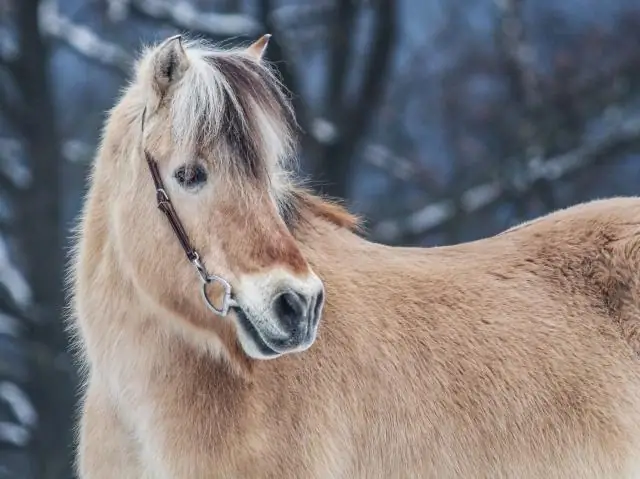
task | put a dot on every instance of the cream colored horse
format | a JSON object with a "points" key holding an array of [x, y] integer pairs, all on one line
{"points": [[515, 356]]}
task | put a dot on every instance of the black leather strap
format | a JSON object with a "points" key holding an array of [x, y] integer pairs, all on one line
{"points": [[165, 205]]}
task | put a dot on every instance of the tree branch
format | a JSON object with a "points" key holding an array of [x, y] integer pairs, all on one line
{"points": [[14, 172], [8, 186], [518, 54], [83, 40], [12, 112], [184, 16], [338, 158], [375, 74], [341, 50], [399, 167], [181, 15], [299, 15], [13, 279], [526, 132], [436, 215], [9, 64]]}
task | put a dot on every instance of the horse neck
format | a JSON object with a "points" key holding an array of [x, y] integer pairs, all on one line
{"points": [[112, 322], [328, 248]]}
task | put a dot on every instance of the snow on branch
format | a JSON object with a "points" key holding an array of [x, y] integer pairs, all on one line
{"points": [[12, 279], [180, 14], [12, 163], [324, 131], [437, 214], [400, 167], [185, 16], [382, 157], [13, 158], [19, 403], [14, 434], [295, 15], [9, 325], [82, 39], [77, 151]]}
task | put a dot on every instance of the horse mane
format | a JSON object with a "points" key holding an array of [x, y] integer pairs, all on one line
{"points": [[243, 104], [301, 205]]}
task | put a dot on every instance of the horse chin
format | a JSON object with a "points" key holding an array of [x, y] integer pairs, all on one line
{"points": [[258, 345]]}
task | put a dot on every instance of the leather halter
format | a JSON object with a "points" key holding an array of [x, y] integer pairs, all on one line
{"points": [[165, 205]]}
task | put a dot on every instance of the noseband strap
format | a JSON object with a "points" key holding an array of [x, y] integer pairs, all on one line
{"points": [[165, 205]]}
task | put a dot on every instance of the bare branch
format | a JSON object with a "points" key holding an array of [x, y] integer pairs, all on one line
{"points": [[12, 165], [399, 167], [9, 63], [83, 40], [12, 157], [14, 434], [341, 50], [77, 151], [183, 15], [518, 52], [526, 131], [436, 215], [338, 158], [18, 401], [12, 112], [117, 10], [376, 70], [13, 279], [297, 15]]}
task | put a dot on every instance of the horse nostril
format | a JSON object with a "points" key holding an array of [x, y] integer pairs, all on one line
{"points": [[291, 308]]}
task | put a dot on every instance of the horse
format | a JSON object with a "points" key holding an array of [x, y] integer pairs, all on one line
{"points": [[229, 322]]}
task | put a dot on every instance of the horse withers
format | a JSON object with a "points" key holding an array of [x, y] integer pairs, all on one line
{"points": [[231, 324]]}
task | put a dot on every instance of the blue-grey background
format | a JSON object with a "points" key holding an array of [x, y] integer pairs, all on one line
{"points": [[439, 121]]}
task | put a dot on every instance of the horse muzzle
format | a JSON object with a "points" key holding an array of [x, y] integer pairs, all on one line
{"points": [[288, 323]]}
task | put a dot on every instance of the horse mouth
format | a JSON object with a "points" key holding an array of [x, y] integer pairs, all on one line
{"points": [[272, 347], [255, 335]]}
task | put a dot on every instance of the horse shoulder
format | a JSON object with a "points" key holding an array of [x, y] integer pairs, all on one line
{"points": [[106, 448]]}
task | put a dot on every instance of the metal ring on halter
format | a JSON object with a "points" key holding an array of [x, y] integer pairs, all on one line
{"points": [[227, 301]]}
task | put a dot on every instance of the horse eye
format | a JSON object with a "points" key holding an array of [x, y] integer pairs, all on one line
{"points": [[190, 176]]}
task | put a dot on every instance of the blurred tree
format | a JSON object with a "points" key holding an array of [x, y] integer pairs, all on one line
{"points": [[36, 229], [446, 120], [551, 111]]}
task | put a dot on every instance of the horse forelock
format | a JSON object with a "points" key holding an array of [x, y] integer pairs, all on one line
{"points": [[229, 100], [230, 104]]}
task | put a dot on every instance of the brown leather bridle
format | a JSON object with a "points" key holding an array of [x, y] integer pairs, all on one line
{"points": [[165, 205]]}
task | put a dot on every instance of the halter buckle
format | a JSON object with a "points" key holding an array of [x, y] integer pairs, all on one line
{"points": [[199, 267]]}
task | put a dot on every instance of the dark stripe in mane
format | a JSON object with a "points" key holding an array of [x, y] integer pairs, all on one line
{"points": [[254, 87]]}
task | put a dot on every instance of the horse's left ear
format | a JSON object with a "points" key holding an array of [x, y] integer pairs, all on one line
{"points": [[169, 64], [257, 49]]}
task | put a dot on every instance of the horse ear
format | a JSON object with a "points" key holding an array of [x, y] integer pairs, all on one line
{"points": [[257, 49], [170, 63]]}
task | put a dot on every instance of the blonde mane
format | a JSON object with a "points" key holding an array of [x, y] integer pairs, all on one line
{"points": [[226, 97]]}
